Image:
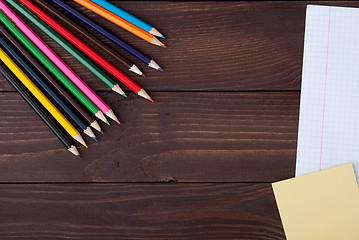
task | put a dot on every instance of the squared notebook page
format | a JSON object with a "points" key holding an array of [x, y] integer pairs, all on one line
{"points": [[328, 133]]}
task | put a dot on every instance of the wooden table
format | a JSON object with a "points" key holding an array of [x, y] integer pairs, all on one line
{"points": [[197, 163]]}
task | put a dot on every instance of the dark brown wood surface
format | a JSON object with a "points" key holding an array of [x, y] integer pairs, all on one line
{"points": [[184, 136], [139, 211], [197, 163]]}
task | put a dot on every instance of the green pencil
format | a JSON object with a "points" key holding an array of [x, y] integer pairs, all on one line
{"points": [[51, 67], [69, 48]]}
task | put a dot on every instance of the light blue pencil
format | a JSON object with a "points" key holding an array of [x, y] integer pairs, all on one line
{"points": [[128, 17]]}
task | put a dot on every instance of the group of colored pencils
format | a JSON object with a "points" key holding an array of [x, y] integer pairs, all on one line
{"points": [[55, 92]]}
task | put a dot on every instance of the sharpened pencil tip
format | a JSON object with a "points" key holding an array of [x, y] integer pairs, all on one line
{"points": [[79, 156], [107, 122], [86, 146], [116, 120], [101, 132], [124, 95], [151, 100], [143, 75], [160, 69], [156, 33], [95, 139], [164, 46]]}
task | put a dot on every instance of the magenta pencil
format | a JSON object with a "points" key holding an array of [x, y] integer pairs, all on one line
{"points": [[58, 61]]}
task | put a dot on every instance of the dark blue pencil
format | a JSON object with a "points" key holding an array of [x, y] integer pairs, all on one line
{"points": [[36, 106], [140, 56], [47, 90]]}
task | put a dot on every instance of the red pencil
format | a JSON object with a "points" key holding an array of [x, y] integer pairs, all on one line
{"points": [[86, 49]]}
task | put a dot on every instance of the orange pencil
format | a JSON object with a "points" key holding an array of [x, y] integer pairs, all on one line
{"points": [[120, 22]]}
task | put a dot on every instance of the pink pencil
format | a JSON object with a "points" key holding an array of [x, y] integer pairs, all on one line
{"points": [[58, 61]]}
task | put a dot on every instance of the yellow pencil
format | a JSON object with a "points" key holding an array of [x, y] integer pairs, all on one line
{"points": [[41, 97]]}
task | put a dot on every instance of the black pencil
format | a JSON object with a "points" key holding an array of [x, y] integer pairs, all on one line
{"points": [[54, 83], [12, 79], [45, 88]]}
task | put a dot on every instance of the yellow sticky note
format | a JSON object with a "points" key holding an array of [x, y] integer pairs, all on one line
{"points": [[320, 206]]}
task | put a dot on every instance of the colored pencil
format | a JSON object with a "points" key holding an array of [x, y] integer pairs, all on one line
{"points": [[45, 88], [50, 80], [51, 67], [41, 97], [70, 49], [87, 36], [57, 60], [41, 112], [128, 17], [82, 46], [120, 22], [91, 24]]}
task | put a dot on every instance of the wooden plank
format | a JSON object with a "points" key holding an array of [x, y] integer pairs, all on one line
{"points": [[211, 45], [138, 211], [184, 137]]}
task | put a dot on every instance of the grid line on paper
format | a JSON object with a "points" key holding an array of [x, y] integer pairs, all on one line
{"points": [[325, 90], [328, 132]]}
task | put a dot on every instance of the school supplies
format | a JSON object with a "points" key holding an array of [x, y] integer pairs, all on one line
{"points": [[20, 42], [82, 18], [50, 66], [40, 110], [50, 80], [45, 88], [84, 48], [321, 205], [41, 97], [87, 36], [70, 49], [329, 110], [128, 17], [58, 61], [120, 22]]}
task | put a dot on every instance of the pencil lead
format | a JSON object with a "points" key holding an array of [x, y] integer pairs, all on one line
{"points": [[89, 132], [79, 156], [135, 69], [157, 42], [154, 65], [74, 150], [107, 122], [95, 139], [143, 94], [112, 115], [124, 95], [143, 75], [101, 132], [117, 89], [100, 115], [160, 69], [80, 139], [151, 100], [95, 125], [86, 146], [156, 33]]}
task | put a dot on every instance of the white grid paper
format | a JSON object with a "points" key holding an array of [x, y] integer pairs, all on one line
{"points": [[328, 134]]}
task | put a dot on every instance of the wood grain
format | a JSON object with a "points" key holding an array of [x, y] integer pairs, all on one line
{"points": [[138, 211], [211, 46], [226, 112], [221, 137]]}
